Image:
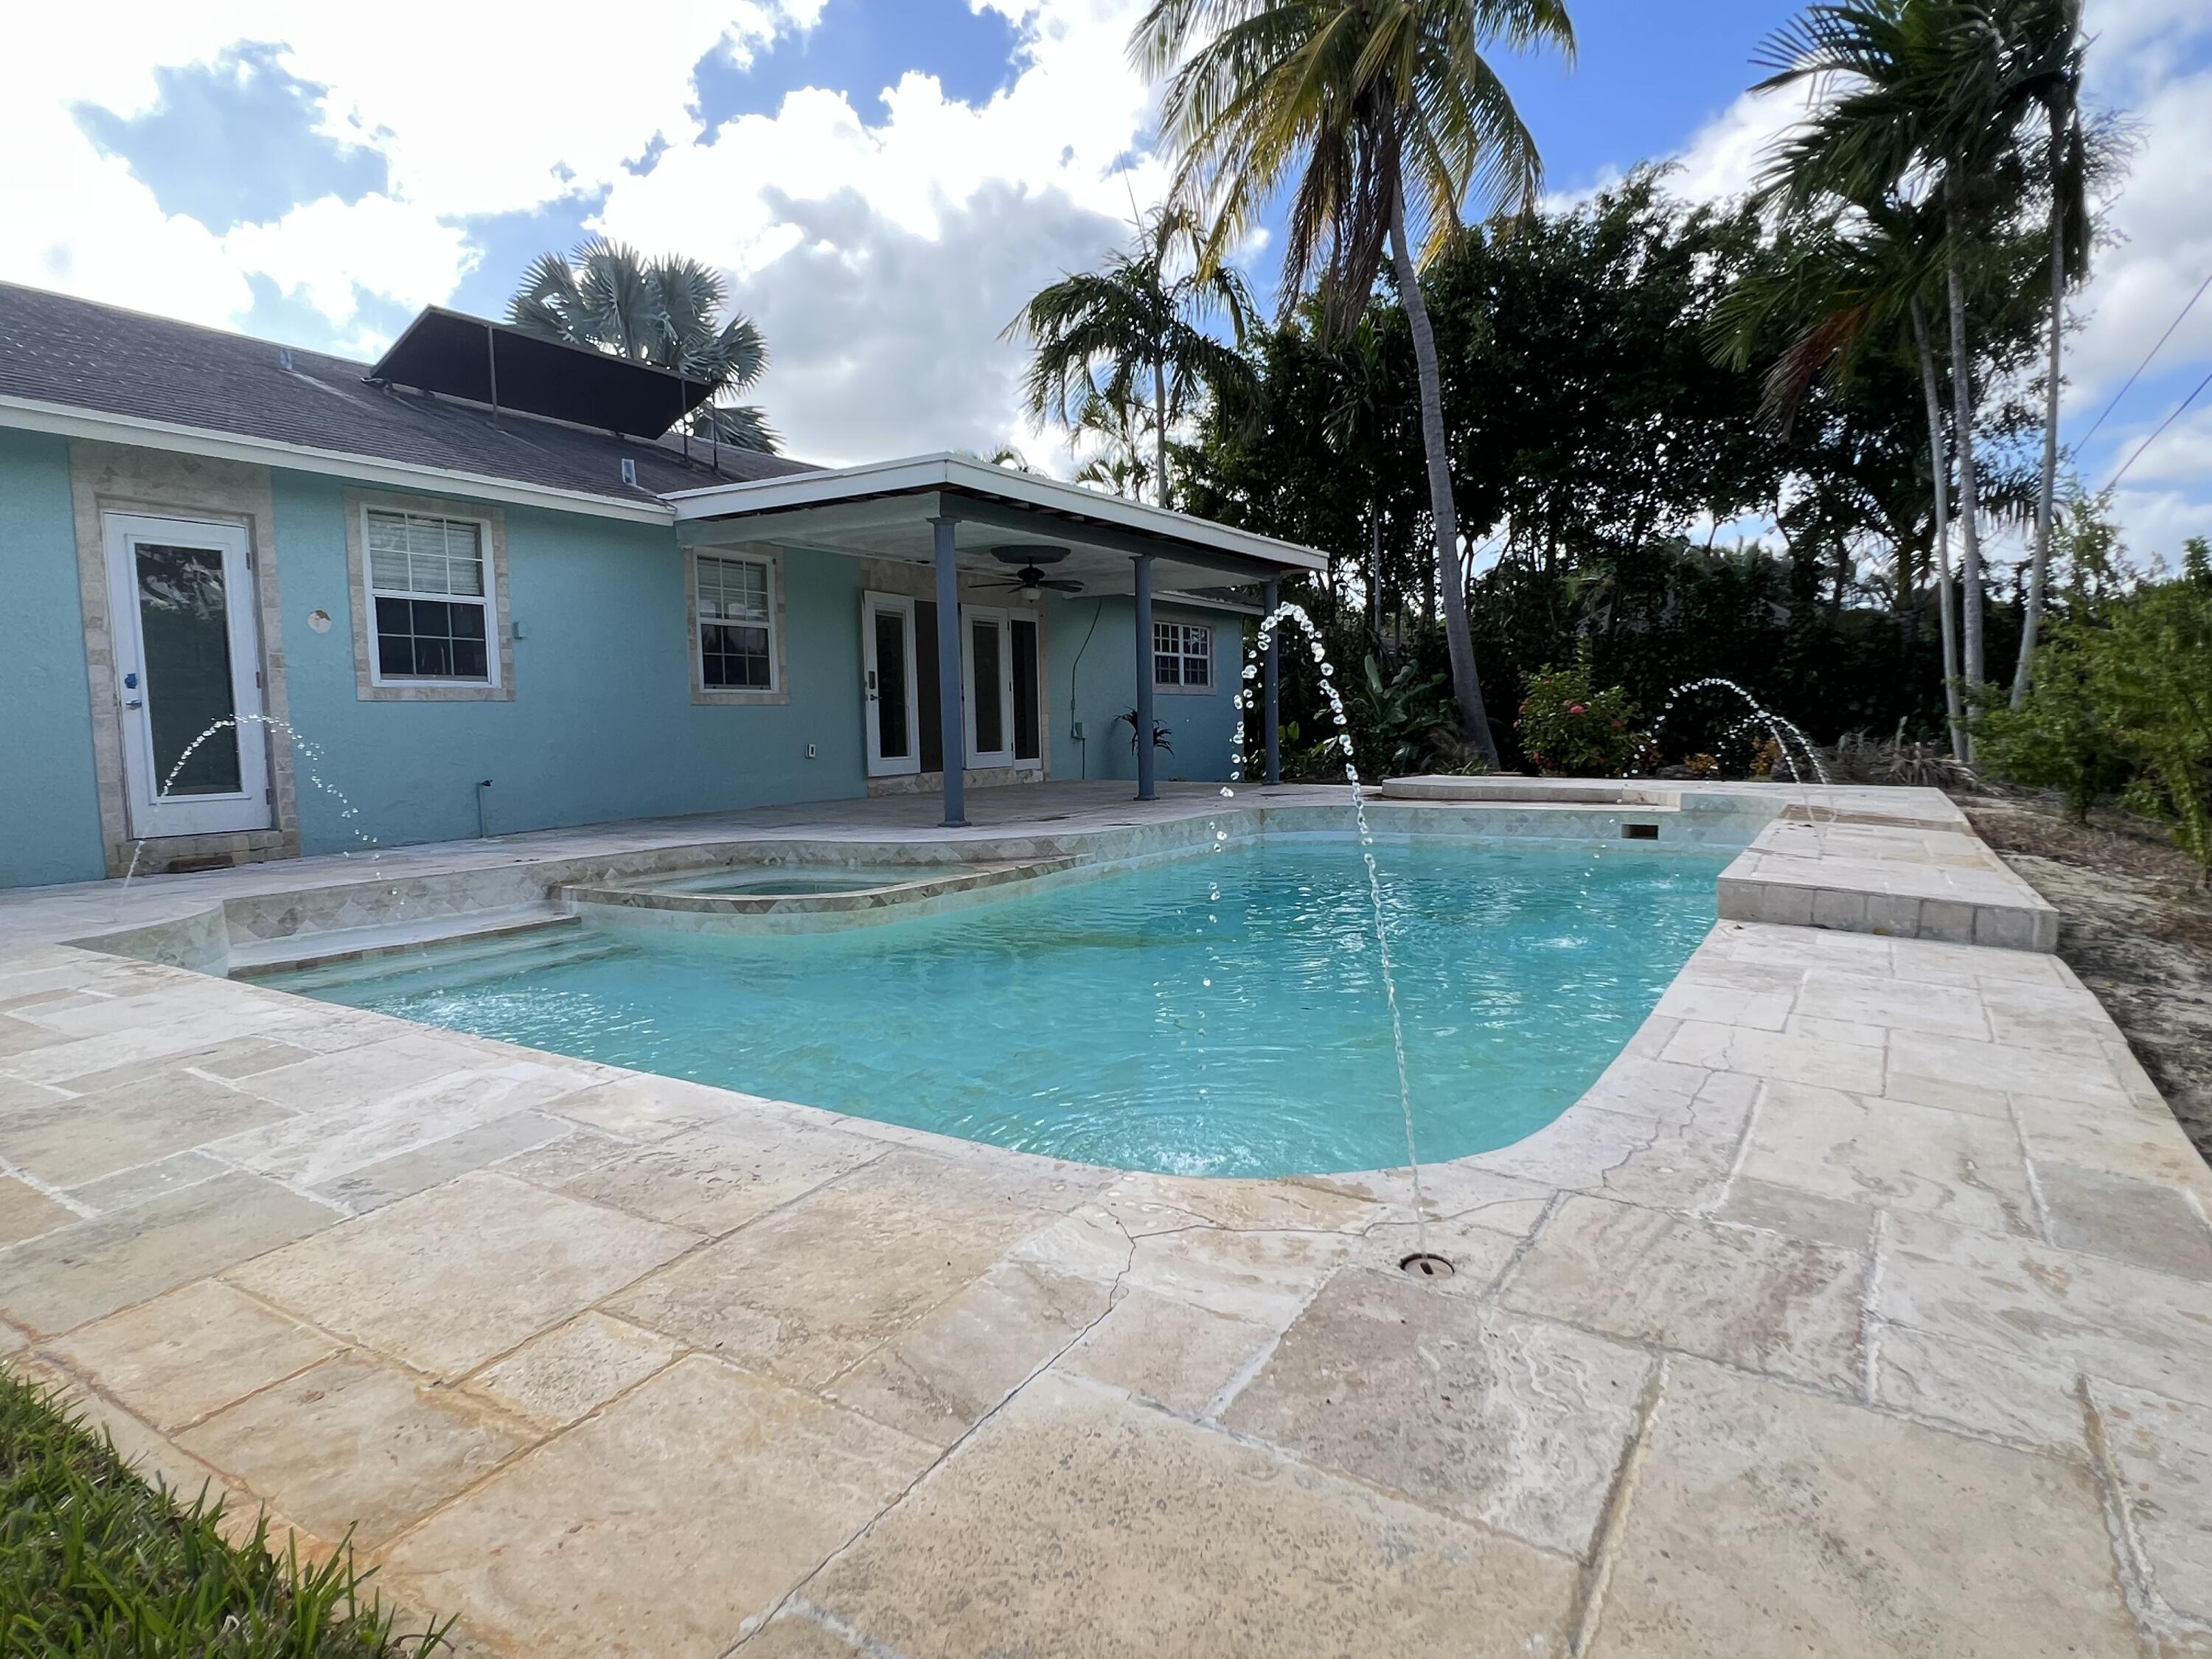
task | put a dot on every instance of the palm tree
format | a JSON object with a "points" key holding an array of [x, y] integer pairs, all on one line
{"points": [[1844, 285], [1916, 94], [666, 312], [1118, 428], [1390, 118], [2058, 41], [1144, 317]]}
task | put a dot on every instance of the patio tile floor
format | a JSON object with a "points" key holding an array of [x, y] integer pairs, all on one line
{"points": [[1863, 1307]]}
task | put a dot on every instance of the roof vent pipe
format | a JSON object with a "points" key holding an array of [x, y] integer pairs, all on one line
{"points": [[284, 358], [629, 471]]}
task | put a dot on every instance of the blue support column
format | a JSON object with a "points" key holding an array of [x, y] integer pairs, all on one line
{"points": [[1147, 788], [952, 719], [1274, 704]]}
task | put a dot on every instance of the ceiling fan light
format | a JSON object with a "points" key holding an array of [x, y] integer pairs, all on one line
{"points": [[1030, 592]]}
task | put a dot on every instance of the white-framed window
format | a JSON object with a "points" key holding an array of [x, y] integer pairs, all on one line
{"points": [[735, 601], [1183, 656], [429, 600]]}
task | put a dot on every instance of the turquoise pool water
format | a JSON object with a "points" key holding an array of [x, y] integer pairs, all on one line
{"points": [[1222, 1015]]}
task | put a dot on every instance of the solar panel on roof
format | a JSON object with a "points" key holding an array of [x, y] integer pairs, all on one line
{"points": [[487, 362]]}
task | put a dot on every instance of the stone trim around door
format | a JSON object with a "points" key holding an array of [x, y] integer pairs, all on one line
{"points": [[122, 478], [704, 695], [493, 520]]}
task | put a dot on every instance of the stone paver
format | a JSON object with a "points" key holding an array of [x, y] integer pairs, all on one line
{"points": [[1965, 1168], [1766, 1520], [813, 1289], [1174, 1353], [88, 1270], [25, 1211], [2161, 1452], [1755, 1298], [1516, 1422], [353, 1444], [448, 1279], [689, 1506], [575, 1368], [1077, 1524], [180, 1356], [1863, 1305]]}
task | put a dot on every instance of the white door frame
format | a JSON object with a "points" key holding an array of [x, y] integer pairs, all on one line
{"points": [[248, 807], [1035, 617], [874, 605], [996, 615]]}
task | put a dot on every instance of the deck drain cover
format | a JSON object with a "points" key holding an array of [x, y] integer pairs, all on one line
{"points": [[1423, 1265]]}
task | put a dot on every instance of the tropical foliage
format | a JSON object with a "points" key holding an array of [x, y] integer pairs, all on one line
{"points": [[668, 311], [1124, 351], [1570, 727], [1384, 120]]}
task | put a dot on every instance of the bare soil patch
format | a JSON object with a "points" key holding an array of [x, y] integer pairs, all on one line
{"points": [[2134, 923]]}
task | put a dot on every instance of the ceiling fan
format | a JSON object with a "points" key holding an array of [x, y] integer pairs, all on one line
{"points": [[1030, 582]]}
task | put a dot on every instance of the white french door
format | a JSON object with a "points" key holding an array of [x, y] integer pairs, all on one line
{"points": [[187, 659], [987, 686], [887, 646]]}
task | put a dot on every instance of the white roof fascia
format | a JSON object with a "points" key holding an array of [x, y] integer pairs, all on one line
{"points": [[950, 471], [32, 415]]}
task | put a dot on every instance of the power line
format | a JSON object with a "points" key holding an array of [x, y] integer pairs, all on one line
{"points": [[2162, 426], [2145, 363]]}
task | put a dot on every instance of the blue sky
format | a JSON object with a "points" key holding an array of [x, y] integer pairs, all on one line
{"points": [[884, 180]]}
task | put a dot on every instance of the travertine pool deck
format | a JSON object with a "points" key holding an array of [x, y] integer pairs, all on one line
{"points": [[1864, 1306]]}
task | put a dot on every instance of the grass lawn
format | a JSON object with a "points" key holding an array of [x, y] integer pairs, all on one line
{"points": [[93, 1561]]}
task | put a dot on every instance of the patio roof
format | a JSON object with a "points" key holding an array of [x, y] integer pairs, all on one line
{"points": [[885, 510]]}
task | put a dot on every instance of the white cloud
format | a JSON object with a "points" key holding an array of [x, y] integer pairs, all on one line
{"points": [[475, 109], [883, 256]]}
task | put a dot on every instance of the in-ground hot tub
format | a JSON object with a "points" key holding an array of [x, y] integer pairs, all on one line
{"points": [[794, 897]]}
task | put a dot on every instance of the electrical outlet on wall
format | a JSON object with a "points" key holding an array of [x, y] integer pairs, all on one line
{"points": [[1076, 735], [810, 751]]}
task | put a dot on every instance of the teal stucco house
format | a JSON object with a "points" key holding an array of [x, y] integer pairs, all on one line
{"points": [[490, 589]]}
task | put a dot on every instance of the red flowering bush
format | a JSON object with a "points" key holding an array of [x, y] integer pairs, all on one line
{"points": [[1569, 730]]}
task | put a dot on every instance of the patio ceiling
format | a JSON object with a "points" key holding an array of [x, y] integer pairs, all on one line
{"points": [[885, 511]]}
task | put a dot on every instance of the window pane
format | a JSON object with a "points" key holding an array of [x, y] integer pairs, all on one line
{"points": [[432, 640], [416, 553], [983, 688], [184, 621], [735, 658], [1167, 671], [890, 685], [1025, 689]]}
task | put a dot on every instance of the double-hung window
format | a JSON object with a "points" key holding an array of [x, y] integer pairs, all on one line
{"points": [[736, 600], [1183, 656], [430, 602]]}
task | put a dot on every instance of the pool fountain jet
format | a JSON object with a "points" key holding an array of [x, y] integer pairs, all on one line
{"points": [[310, 752], [1289, 610], [1783, 732]]}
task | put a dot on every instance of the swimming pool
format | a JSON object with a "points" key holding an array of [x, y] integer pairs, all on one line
{"points": [[1219, 1015]]}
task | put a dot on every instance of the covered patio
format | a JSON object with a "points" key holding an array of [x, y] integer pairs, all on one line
{"points": [[964, 517]]}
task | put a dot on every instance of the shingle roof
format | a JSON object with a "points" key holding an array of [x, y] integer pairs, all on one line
{"points": [[58, 349]]}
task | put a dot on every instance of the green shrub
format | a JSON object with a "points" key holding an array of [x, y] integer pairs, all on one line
{"points": [[2153, 671], [1570, 730], [2064, 737]]}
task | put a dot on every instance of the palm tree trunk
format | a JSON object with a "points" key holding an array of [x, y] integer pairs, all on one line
{"points": [[1160, 427], [1451, 582], [1940, 472], [1962, 418], [2047, 485]]}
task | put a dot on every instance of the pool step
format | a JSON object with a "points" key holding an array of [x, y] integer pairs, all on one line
{"points": [[298, 952]]}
